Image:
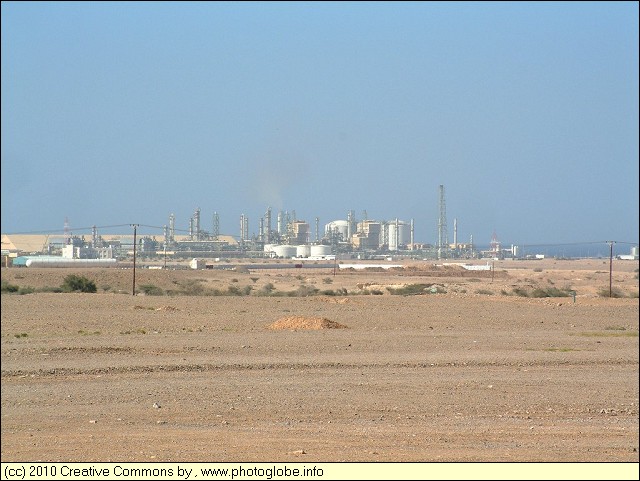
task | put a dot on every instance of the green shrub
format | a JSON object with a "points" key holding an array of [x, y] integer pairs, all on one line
{"points": [[484, 291], [6, 287], [56, 290], [304, 291], [239, 291], [265, 290], [615, 292], [151, 290], [192, 287], [409, 290], [417, 289], [555, 292], [74, 283]]}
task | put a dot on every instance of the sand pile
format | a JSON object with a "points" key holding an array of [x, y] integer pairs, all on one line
{"points": [[295, 323]]}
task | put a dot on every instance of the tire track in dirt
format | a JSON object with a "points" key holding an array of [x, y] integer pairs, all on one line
{"points": [[298, 366]]}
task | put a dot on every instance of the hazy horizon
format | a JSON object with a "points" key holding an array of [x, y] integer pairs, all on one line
{"points": [[126, 112]]}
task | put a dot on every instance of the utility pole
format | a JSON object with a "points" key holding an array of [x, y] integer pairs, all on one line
{"points": [[610, 267], [134, 258]]}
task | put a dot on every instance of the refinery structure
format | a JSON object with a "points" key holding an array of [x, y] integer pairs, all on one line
{"points": [[279, 235]]}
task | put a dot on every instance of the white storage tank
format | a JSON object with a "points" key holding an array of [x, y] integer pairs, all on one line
{"points": [[198, 263], [285, 251], [399, 234], [62, 262], [303, 251], [320, 250]]}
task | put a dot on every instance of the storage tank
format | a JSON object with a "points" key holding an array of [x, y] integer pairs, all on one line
{"points": [[285, 251], [269, 247], [399, 234], [341, 226], [62, 262], [320, 250], [303, 251], [198, 263]]}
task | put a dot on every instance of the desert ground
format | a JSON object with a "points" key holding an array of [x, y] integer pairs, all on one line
{"points": [[314, 365]]}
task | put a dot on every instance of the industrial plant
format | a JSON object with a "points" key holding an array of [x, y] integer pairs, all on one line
{"points": [[279, 235]]}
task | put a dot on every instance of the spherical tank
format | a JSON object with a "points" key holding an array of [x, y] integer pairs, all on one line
{"points": [[341, 226]]}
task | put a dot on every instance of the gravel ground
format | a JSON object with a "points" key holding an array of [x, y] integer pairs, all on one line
{"points": [[456, 376]]}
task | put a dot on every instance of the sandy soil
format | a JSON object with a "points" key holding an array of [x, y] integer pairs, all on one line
{"points": [[471, 373]]}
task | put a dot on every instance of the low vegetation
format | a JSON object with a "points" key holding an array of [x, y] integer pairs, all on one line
{"points": [[416, 289], [71, 283], [74, 283], [539, 292], [151, 290], [486, 292], [608, 334], [615, 292]]}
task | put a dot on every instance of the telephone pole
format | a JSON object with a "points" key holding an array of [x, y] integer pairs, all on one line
{"points": [[135, 226], [610, 267]]}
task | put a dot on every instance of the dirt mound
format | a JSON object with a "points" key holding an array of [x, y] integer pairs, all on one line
{"points": [[295, 323]]}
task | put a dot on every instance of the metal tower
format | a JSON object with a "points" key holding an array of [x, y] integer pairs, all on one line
{"points": [[267, 231], [172, 228], [455, 233], [216, 226], [280, 222], [196, 220], [495, 245], [244, 229], [351, 220], [411, 235], [443, 240], [67, 232]]}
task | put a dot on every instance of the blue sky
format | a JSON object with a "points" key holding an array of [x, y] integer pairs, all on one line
{"points": [[126, 112]]}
